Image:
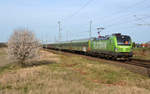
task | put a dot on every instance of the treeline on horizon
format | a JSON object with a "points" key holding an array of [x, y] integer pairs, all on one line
{"points": [[3, 45]]}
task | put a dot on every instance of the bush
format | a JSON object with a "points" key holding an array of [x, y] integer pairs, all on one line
{"points": [[22, 46]]}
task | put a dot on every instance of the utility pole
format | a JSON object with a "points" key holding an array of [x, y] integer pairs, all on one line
{"points": [[90, 33], [46, 44], [59, 31], [67, 35], [59, 36], [42, 43], [55, 39]]}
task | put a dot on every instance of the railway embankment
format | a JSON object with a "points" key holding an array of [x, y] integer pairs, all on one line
{"points": [[3, 45], [56, 72], [137, 65], [141, 53]]}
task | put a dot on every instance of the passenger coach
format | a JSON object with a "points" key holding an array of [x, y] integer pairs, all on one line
{"points": [[114, 46]]}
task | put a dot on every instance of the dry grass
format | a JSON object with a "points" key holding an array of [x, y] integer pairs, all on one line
{"points": [[72, 75], [40, 80], [48, 56], [3, 57], [142, 53]]}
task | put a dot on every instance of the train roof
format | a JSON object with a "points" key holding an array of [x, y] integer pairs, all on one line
{"points": [[93, 38], [83, 40], [79, 40], [118, 34], [108, 36]]}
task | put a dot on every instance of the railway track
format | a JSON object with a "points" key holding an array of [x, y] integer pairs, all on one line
{"points": [[135, 65], [141, 63]]}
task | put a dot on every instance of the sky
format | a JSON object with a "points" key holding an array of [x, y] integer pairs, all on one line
{"points": [[129, 17]]}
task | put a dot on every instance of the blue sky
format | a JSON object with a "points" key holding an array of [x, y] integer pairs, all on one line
{"points": [[41, 16]]}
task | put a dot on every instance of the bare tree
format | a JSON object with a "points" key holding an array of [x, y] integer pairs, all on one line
{"points": [[22, 46]]}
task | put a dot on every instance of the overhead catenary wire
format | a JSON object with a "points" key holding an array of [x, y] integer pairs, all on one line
{"points": [[125, 17], [127, 21], [121, 27], [67, 18], [117, 19], [118, 12], [141, 19], [77, 11], [116, 24], [121, 11]]}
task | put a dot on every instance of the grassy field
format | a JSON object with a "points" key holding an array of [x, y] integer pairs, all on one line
{"points": [[3, 57], [59, 74], [142, 53]]}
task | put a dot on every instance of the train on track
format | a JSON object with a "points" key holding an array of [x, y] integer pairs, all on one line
{"points": [[115, 46]]}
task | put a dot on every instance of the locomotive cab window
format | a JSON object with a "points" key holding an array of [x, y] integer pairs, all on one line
{"points": [[123, 40]]}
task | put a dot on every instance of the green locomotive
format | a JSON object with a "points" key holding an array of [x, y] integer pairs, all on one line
{"points": [[115, 46]]}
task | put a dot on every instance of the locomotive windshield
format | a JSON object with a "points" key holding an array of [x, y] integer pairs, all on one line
{"points": [[123, 40]]}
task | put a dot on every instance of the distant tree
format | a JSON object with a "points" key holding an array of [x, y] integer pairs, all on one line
{"points": [[134, 44], [22, 46]]}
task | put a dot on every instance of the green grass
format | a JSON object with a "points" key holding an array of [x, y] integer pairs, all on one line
{"points": [[4, 68]]}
